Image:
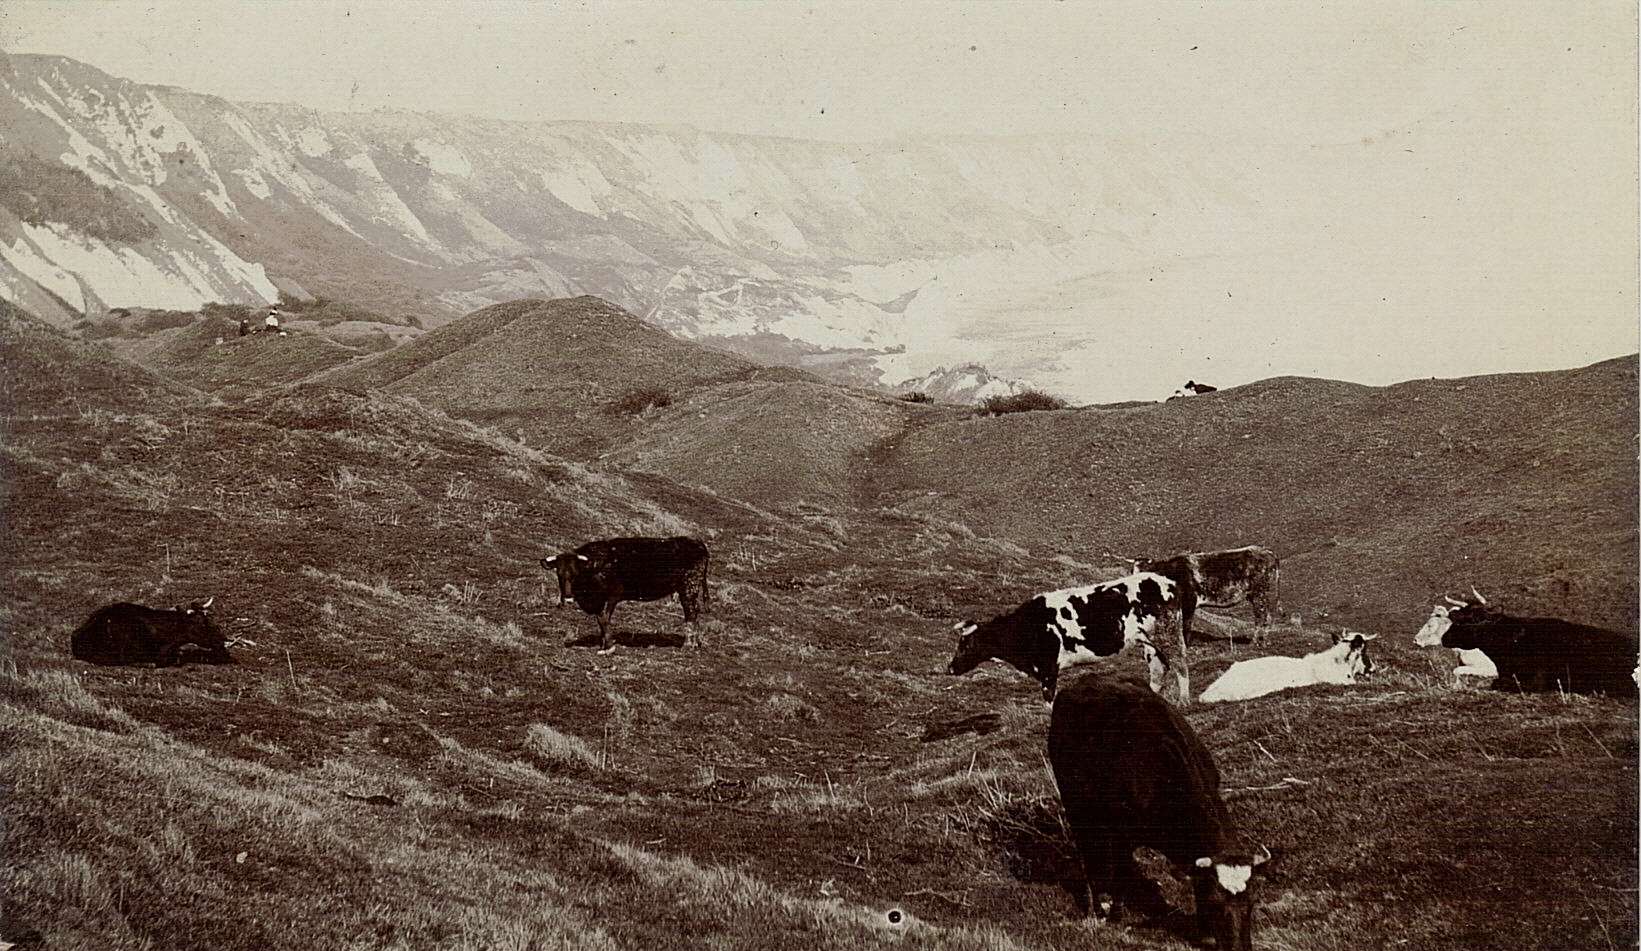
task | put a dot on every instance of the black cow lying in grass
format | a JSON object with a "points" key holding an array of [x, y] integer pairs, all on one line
{"points": [[599, 575], [1535, 653], [125, 633], [1133, 773]]}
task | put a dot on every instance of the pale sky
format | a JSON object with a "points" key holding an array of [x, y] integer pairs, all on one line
{"points": [[1307, 72]]}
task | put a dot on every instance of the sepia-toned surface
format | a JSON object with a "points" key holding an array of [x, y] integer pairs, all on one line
{"points": [[817, 341]]}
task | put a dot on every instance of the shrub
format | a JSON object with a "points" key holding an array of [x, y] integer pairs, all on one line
{"points": [[639, 399], [1022, 402], [917, 396]]}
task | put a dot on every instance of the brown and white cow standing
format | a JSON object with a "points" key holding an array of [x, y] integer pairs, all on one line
{"points": [[1223, 578]]}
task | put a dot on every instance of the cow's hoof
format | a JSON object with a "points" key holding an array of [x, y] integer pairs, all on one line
{"points": [[606, 651]]}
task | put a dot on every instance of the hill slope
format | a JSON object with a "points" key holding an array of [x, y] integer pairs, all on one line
{"points": [[1379, 499], [555, 371], [406, 756]]}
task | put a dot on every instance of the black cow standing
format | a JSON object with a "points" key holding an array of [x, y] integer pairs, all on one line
{"points": [[601, 574], [1535, 653], [1223, 578], [125, 633], [1133, 773]]}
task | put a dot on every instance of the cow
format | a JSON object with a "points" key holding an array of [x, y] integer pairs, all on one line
{"points": [[1473, 662], [126, 633], [1193, 388], [1341, 663], [1071, 626], [601, 574], [1131, 773], [1221, 579], [1534, 653]]}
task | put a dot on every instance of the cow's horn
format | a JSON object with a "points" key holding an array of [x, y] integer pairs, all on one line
{"points": [[548, 561], [208, 601], [1479, 598], [1453, 601], [582, 557], [1263, 856], [1205, 862]]}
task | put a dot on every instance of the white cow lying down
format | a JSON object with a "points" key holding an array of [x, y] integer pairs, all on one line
{"points": [[1340, 664], [1473, 662]]}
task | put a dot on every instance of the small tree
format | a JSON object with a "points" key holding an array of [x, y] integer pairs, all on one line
{"points": [[917, 396]]}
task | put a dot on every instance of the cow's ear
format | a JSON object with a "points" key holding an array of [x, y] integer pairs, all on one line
{"points": [[1263, 857], [1207, 861]]}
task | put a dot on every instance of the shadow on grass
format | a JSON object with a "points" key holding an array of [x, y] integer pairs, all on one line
{"points": [[630, 639]]}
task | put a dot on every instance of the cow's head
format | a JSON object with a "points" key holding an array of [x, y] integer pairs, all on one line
{"points": [[198, 629], [1356, 658], [1225, 908], [567, 565], [1443, 616], [968, 655]]}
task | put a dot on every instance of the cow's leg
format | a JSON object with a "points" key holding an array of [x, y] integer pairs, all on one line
{"points": [[1137, 892], [1050, 680], [1171, 631], [1156, 666], [604, 645], [1098, 856]]}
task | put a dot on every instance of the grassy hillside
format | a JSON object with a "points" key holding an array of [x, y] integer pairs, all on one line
{"points": [[407, 755], [774, 443], [1378, 499], [554, 371]]}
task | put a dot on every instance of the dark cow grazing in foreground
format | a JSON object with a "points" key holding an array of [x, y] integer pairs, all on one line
{"points": [[1074, 626], [1223, 578], [599, 575], [1537, 653], [125, 633], [1133, 773]]}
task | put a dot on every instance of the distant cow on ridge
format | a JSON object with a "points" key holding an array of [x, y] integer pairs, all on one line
{"points": [[601, 574], [1072, 626], [1223, 578], [1193, 388], [1533, 654], [1131, 772], [125, 633]]}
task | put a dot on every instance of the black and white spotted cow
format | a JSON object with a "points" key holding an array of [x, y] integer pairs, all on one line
{"points": [[1061, 629]]}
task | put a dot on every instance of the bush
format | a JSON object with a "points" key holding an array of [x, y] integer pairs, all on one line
{"points": [[917, 396], [1022, 402], [637, 400]]}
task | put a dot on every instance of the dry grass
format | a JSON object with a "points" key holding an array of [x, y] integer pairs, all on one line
{"points": [[406, 757]]}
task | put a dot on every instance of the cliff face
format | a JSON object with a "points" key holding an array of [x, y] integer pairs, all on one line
{"points": [[121, 194]]}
